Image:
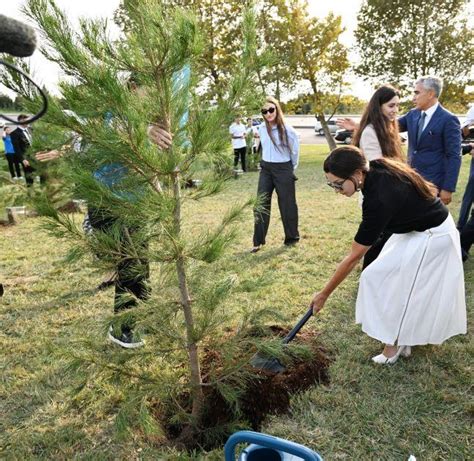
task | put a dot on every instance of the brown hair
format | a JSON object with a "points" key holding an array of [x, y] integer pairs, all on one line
{"points": [[385, 129], [344, 161], [280, 123]]}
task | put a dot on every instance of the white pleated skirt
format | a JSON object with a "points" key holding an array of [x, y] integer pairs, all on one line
{"points": [[413, 293]]}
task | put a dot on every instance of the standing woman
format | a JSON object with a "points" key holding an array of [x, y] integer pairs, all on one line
{"points": [[280, 153], [378, 137], [413, 293]]}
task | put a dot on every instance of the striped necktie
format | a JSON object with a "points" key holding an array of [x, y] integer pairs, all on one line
{"points": [[421, 123]]}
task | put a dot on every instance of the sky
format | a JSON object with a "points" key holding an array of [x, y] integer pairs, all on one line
{"points": [[46, 73]]}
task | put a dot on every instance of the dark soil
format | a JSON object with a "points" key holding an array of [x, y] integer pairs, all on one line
{"points": [[267, 393]]}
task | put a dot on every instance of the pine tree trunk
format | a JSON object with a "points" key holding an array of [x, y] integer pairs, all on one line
{"points": [[196, 388]]}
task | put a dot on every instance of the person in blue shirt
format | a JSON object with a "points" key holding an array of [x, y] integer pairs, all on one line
{"points": [[13, 161], [280, 153], [132, 273]]}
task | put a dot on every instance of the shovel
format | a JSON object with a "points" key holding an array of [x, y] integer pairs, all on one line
{"points": [[272, 364]]}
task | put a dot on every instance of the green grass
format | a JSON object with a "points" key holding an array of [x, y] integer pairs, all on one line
{"points": [[420, 406]]}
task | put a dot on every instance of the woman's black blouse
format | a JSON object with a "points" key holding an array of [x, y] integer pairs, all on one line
{"points": [[394, 206]]}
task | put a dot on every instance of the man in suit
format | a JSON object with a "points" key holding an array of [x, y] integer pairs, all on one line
{"points": [[434, 138], [21, 140]]}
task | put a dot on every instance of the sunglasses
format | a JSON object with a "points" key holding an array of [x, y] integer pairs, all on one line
{"points": [[337, 185], [270, 111]]}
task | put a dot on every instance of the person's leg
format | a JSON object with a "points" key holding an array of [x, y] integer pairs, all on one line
{"points": [[130, 283], [236, 157], [17, 169], [375, 249], [10, 165], [133, 274], [243, 151], [29, 171], [286, 191], [467, 236], [467, 199], [262, 215]]}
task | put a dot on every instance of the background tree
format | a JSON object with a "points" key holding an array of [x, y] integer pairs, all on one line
{"points": [[401, 40], [222, 32], [346, 104], [318, 57], [275, 75]]}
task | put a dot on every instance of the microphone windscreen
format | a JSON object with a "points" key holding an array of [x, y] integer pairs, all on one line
{"points": [[16, 38]]}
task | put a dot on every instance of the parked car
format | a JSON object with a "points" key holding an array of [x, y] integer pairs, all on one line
{"points": [[331, 125], [344, 136], [256, 120]]}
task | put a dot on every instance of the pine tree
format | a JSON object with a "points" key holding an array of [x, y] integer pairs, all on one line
{"points": [[160, 49]]}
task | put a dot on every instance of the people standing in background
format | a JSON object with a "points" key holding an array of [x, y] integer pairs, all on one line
{"points": [[12, 159], [21, 140], [434, 137], [238, 132], [280, 155]]}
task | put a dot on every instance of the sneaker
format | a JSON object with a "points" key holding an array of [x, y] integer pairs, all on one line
{"points": [[126, 339]]}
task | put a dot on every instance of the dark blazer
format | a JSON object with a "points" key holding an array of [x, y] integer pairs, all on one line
{"points": [[437, 156], [20, 143]]}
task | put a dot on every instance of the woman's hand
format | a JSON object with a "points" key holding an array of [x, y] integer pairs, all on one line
{"points": [[46, 156], [346, 123], [159, 136], [318, 301]]}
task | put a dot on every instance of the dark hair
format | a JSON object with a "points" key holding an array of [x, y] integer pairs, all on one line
{"points": [[385, 129], [22, 117], [343, 162], [280, 123]]}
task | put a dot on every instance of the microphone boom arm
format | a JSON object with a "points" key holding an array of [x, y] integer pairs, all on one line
{"points": [[43, 96]]}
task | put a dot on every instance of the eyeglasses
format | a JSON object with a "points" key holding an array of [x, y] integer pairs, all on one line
{"points": [[269, 110], [337, 185]]}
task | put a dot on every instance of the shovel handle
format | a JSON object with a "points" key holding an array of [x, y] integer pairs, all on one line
{"points": [[298, 326]]}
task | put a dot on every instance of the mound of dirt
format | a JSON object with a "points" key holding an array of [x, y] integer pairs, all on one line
{"points": [[267, 393]]}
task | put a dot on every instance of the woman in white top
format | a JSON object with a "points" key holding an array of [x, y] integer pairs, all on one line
{"points": [[378, 137], [280, 153]]}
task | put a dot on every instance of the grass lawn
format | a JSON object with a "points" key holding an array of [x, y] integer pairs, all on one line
{"points": [[420, 406]]}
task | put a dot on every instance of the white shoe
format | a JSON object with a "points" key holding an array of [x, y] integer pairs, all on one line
{"points": [[406, 351], [384, 360]]}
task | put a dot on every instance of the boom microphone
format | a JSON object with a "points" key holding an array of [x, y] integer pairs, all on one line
{"points": [[16, 38]]}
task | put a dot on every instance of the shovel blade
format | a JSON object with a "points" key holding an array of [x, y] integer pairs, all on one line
{"points": [[271, 364]]}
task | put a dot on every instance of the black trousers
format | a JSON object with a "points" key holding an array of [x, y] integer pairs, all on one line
{"points": [[29, 175], [240, 153], [132, 273], [279, 177], [13, 165], [467, 236], [375, 249]]}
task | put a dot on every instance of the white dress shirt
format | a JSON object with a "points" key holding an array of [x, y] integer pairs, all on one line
{"points": [[278, 153], [429, 113]]}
